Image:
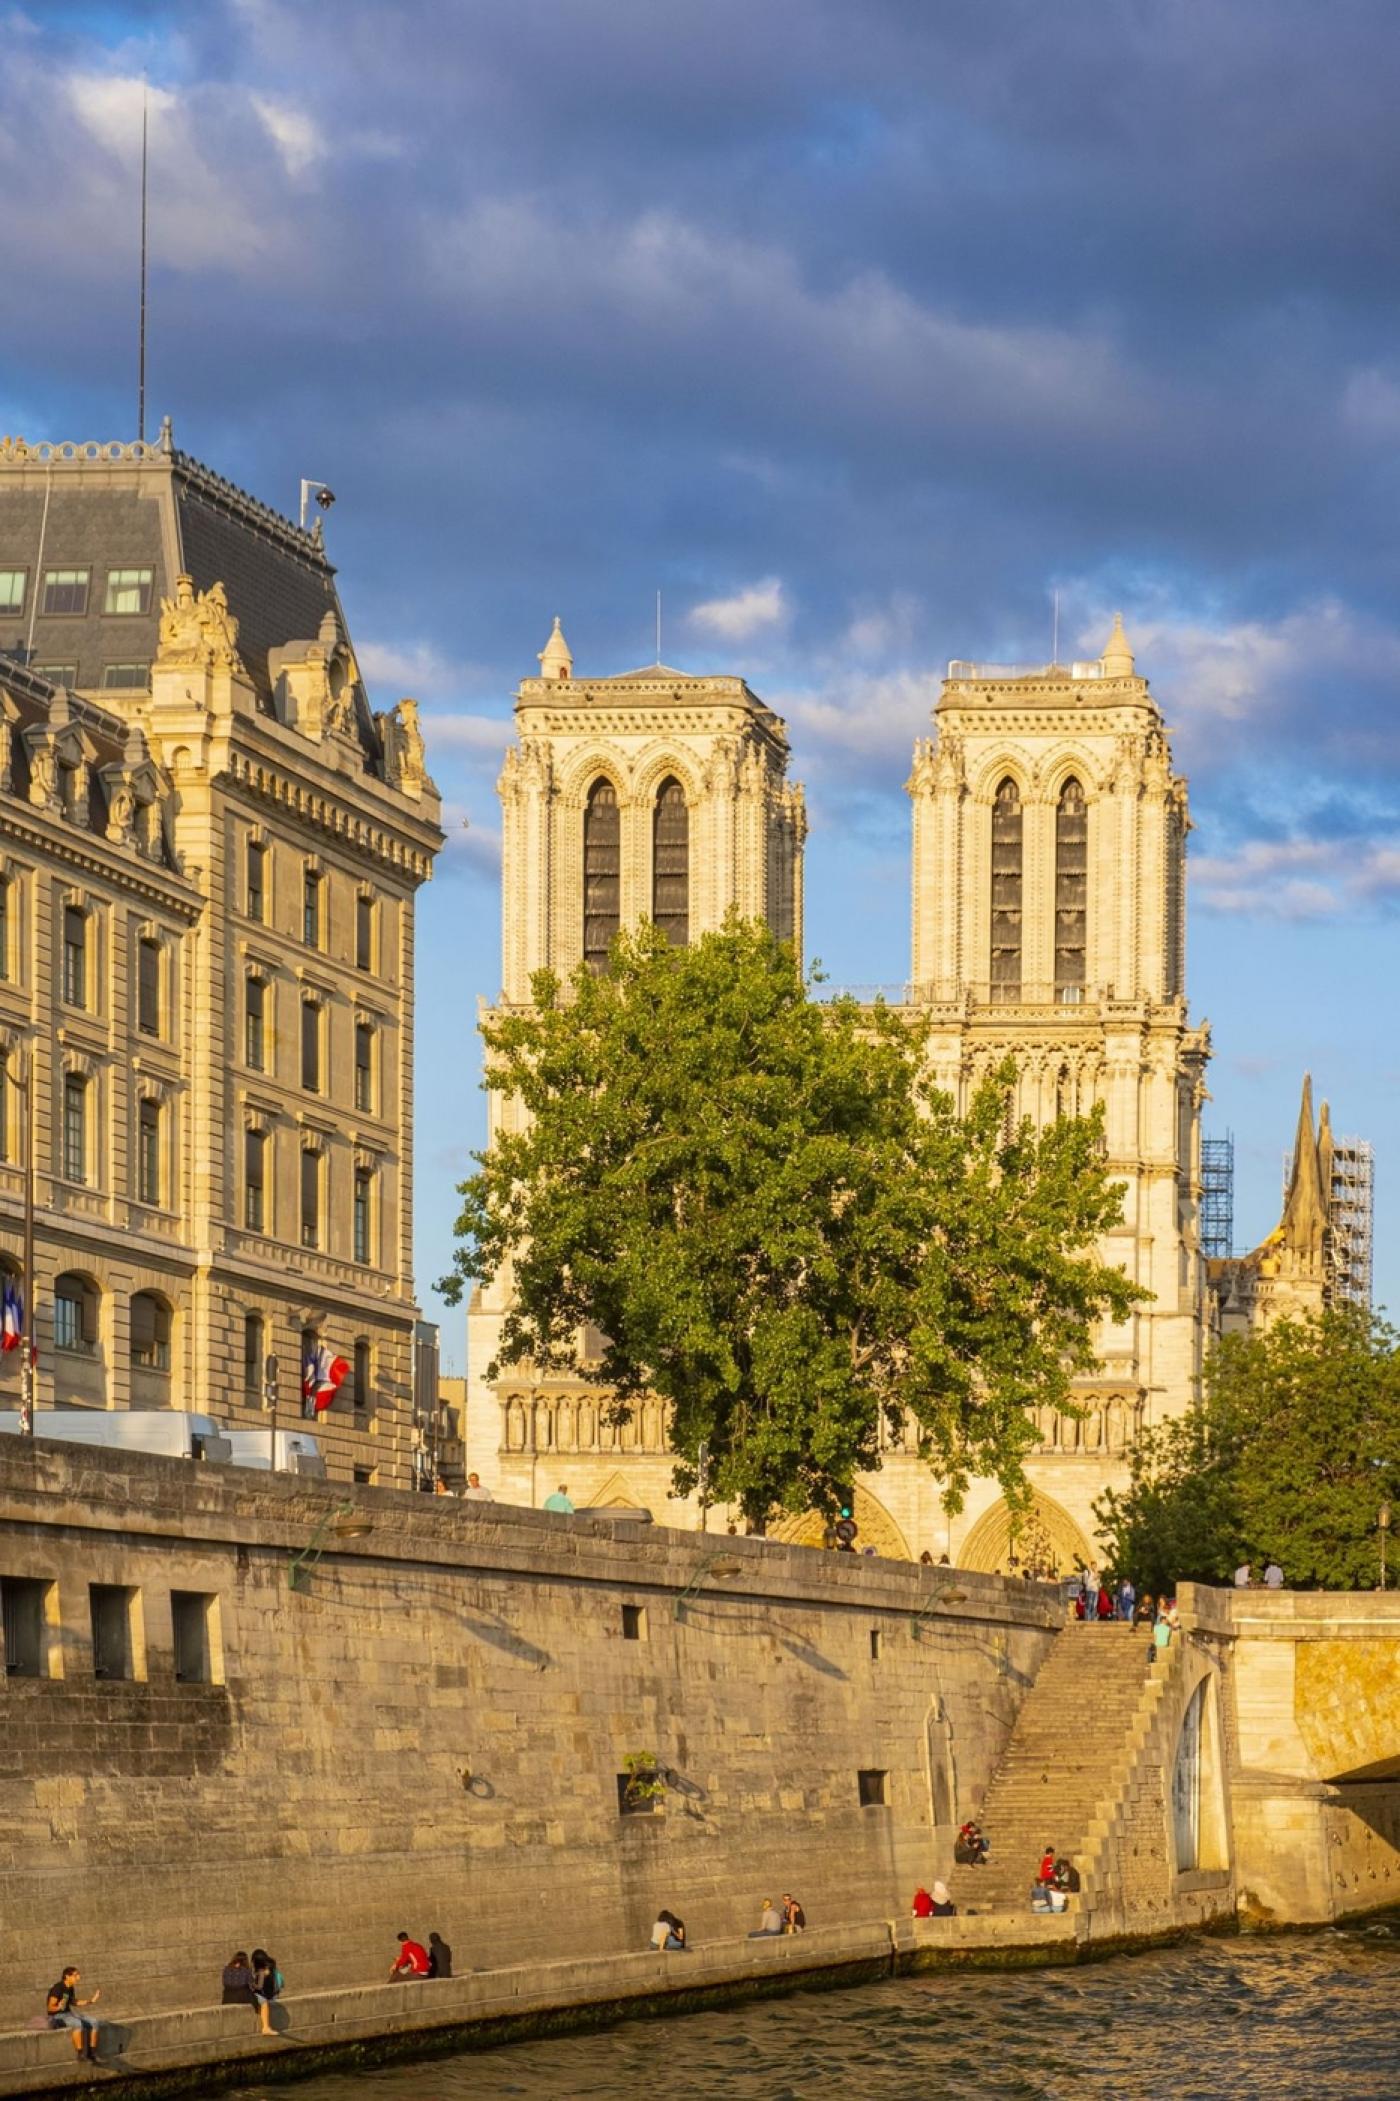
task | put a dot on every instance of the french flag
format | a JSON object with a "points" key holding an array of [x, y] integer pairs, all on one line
{"points": [[11, 1317], [321, 1374]]}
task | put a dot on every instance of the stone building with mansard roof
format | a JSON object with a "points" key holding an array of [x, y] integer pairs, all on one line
{"points": [[209, 854], [1049, 922]]}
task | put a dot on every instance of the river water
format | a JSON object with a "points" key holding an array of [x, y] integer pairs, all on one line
{"points": [[1295, 2017]]}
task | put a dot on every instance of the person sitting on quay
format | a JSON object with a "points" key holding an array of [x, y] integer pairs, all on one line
{"points": [[1066, 1876], [794, 1917], [439, 1956], [560, 1502], [943, 1906], [267, 1983], [61, 2006], [770, 1921], [1146, 1611], [970, 1849], [1161, 1634], [412, 1960], [668, 1934], [1040, 1897], [238, 1981], [922, 1907], [1046, 1870]]}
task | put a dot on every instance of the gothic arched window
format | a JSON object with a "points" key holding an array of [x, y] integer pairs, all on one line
{"points": [[1006, 894], [670, 863], [602, 873], [1071, 893]]}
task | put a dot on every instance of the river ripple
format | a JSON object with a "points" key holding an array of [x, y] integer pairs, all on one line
{"points": [[1292, 2018]]}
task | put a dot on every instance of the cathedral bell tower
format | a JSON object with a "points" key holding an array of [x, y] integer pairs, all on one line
{"points": [[650, 795], [1049, 922]]}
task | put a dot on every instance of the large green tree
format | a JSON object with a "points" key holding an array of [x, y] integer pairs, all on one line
{"points": [[780, 1226], [1293, 1450]]}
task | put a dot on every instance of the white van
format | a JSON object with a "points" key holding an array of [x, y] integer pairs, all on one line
{"points": [[172, 1433], [297, 1451]]}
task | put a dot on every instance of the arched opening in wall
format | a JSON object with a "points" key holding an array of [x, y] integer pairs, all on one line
{"points": [[150, 1334], [1198, 1797], [1071, 894], [1043, 1541], [1006, 895], [602, 873], [670, 863], [79, 1375], [874, 1528]]}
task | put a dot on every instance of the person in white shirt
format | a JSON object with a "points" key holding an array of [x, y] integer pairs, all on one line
{"points": [[474, 1492], [1273, 1576], [770, 1922], [1242, 1576]]}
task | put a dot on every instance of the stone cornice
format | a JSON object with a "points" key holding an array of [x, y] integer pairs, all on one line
{"points": [[119, 866], [269, 781]]}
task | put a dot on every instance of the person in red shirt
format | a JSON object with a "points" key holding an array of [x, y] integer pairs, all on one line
{"points": [[1047, 1866], [923, 1903], [413, 1959]]}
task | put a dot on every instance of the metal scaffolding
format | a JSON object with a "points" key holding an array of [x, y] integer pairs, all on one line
{"points": [[1349, 1208], [1218, 1196]]}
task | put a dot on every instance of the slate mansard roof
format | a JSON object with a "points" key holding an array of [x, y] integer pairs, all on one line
{"points": [[109, 507]]}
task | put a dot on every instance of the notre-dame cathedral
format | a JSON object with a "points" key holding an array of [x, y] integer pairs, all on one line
{"points": [[1049, 921]]}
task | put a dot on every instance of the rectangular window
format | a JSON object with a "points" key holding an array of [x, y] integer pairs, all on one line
{"points": [[74, 956], [311, 909], [253, 1355], [254, 883], [75, 1319], [634, 1623], [148, 1153], [148, 988], [363, 1377], [254, 1207], [23, 1611], [364, 933], [364, 1477], [254, 1023], [128, 591], [12, 582], [874, 1645], [640, 1793], [113, 1650], [310, 1199], [65, 590], [311, 1046], [871, 1786], [150, 1332], [194, 1624], [74, 1127], [363, 1215], [126, 678], [364, 1066], [57, 674]]}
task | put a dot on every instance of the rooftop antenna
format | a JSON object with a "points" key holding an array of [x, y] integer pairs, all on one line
{"points": [[658, 627], [141, 354]]}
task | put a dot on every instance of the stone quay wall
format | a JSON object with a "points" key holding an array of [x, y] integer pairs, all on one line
{"points": [[432, 1732]]}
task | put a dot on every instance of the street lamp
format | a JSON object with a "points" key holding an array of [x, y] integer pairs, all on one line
{"points": [[716, 1565], [1383, 1526], [345, 1522]]}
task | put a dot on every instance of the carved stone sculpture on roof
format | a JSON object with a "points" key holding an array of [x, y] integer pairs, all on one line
{"points": [[197, 628], [404, 755], [137, 792], [722, 771]]}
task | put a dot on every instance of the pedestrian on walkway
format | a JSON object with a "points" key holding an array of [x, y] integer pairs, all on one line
{"points": [[267, 1985], [474, 1492], [62, 2006], [1273, 1576], [1103, 1609], [1127, 1599], [560, 1502]]}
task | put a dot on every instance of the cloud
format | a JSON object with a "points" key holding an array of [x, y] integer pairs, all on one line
{"points": [[1300, 878], [744, 614], [292, 131]]}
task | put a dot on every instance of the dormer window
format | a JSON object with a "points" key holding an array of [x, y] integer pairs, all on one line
{"points": [[66, 590], [128, 591], [125, 678]]}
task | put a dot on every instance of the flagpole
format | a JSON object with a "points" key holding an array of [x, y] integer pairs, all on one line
{"points": [[26, 1369]]}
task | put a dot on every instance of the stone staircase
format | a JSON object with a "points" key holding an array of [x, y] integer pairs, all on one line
{"points": [[1068, 1761]]}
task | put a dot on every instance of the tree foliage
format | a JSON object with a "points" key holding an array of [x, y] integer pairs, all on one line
{"points": [[780, 1226], [1293, 1450]]}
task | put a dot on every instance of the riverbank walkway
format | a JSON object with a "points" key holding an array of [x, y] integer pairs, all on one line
{"points": [[195, 2049]]}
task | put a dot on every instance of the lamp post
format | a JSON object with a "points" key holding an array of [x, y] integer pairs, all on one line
{"points": [[25, 1062], [715, 1565], [1383, 1527]]}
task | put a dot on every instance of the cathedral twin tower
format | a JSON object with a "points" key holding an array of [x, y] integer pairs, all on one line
{"points": [[1048, 922]]}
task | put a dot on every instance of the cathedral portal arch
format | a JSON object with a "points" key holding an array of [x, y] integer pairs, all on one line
{"points": [[1045, 1538], [876, 1528]]}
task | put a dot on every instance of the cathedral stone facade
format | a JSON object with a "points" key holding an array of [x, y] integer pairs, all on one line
{"points": [[1049, 924]]}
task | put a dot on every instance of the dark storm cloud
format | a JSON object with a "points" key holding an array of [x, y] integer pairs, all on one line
{"points": [[917, 312]]}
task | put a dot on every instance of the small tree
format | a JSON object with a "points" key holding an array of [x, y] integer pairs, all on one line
{"points": [[1294, 1448], [780, 1225]]}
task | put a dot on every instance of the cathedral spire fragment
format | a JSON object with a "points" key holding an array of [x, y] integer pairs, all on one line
{"points": [[556, 658], [1117, 659]]}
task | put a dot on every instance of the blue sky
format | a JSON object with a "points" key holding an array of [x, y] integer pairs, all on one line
{"points": [[856, 327]]}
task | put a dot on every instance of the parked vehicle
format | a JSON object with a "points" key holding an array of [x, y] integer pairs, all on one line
{"points": [[173, 1433], [297, 1451]]}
